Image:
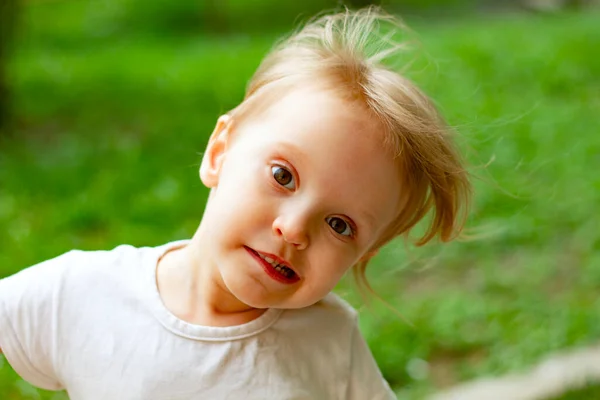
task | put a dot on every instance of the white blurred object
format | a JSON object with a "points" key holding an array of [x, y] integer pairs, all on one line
{"points": [[557, 5], [552, 377], [417, 369], [546, 5]]}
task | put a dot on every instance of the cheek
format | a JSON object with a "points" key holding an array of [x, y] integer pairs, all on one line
{"points": [[329, 264], [320, 285], [242, 200]]}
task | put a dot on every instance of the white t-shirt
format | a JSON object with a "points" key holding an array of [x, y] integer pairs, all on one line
{"points": [[93, 323]]}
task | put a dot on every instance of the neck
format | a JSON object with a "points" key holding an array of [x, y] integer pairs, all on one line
{"points": [[191, 287]]}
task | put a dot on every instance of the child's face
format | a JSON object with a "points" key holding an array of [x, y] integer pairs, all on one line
{"points": [[308, 184]]}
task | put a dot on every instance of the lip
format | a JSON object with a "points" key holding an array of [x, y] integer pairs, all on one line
{"points": [[268, 268]]}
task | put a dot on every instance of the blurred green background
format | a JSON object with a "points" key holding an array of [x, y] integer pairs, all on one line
{"points": [[107, 104]]}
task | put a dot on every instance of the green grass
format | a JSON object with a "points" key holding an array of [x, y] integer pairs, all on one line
{"points": [[110, 128], [591, 392]]}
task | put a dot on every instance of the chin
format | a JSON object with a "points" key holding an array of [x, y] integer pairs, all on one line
{"points": [[252, 291], [254, 300], [258, 297], [248, 291], [263, 302]]}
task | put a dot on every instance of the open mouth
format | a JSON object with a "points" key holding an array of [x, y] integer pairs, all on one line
{"points": [[275, 268]]}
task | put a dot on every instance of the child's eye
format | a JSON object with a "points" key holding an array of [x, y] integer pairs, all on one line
{"points": [[340, 226], [283, 177]]}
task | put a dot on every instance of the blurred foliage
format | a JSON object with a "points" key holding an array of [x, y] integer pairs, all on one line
{"points": [[112, 113], [168, 17], [214, 16], [589, 392], [8, 20]]}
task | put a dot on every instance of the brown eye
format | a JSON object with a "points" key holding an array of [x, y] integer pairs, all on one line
{"points": [[339, 226], [283, 177]]}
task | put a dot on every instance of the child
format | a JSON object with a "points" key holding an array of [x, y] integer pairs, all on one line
{"points": [[329, 156]]}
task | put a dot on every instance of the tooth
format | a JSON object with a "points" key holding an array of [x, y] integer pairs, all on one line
{"points": [[269, 259]]}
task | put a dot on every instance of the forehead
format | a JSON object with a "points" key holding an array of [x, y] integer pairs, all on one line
{"points": [[318, 118], [335, 144]]}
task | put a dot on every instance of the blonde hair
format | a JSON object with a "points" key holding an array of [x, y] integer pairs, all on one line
{"points": [[347, 50]]}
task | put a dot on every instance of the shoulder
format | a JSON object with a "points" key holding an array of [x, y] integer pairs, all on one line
{"points": [[48, 307], [124, 268], [123, 259], [103, 260], [79, 259], [336, 307], [330, 318], [117, 255], [77, 265], [79, 271]]}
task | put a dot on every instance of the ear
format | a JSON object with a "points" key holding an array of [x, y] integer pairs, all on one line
{"points": [[215, 152], [368, 256]]}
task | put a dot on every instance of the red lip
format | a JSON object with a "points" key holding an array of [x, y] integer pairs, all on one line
{"points": [[268, 268]]}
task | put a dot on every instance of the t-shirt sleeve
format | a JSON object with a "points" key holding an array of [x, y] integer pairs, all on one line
{"points": [[366, 380], [29, 308]]}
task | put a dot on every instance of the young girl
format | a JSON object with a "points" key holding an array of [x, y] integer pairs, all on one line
{"points": [[329, 156]]}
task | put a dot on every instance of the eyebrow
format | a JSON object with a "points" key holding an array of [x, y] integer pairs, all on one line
{"points": [[296, 152], [368, 218]]}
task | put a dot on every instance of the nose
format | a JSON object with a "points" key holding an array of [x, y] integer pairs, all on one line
{"points": [[293, 229]]}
